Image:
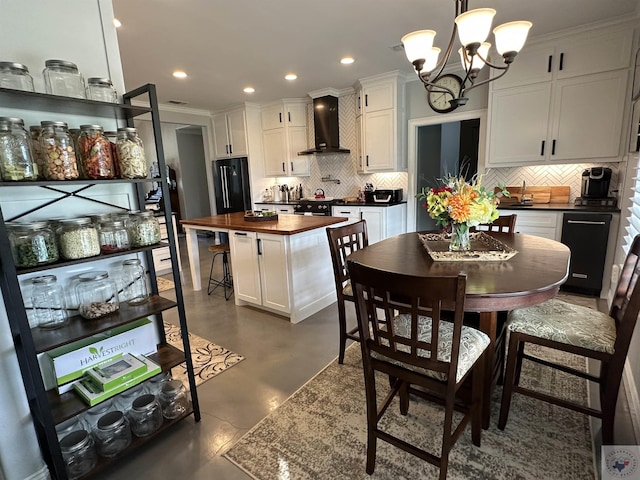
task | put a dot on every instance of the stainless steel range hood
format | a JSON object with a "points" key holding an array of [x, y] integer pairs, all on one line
{"points": [[327, 132]]}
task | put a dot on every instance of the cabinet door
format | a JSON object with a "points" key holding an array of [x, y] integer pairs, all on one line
{"points": [[352, 213], [533, 65], [378, 140], [379, 97], [359, 144], [374, 216], [272, 117], [274, 278], [298, 164], [220, 135], [296, 115], [237, 133], [245, 264], [587, 116], [518, 125], [275, 152]]}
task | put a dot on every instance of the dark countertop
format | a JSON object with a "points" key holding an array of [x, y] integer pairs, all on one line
{"points": [[338, 203], [560, 207]]}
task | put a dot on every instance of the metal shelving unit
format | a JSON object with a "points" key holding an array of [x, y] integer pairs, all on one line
{"points": [[47, 407]]}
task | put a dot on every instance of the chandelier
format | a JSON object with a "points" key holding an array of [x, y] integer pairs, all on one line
{"points": [[447, 92]]}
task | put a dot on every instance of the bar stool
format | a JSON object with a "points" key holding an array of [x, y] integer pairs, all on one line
{"points": [[226, 282]]}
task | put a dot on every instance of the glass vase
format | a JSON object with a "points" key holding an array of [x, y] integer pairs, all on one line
{"points": [[460, 241]]}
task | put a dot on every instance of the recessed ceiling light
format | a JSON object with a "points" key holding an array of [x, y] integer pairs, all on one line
{"points": [[249, 90], [347, 60], [180, 74], [290, 76], [117, 23]]}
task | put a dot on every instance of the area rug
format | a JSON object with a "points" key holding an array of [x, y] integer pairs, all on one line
{"points": [[164, 284], [320, 433], [208, 358]]}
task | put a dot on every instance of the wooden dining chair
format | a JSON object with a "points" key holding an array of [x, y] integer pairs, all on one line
{"points": [[504, 224], [403, 336], [581, 331], [343, 241]]}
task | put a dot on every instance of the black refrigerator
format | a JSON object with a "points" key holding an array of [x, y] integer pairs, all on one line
{"points": [[231, 185]]}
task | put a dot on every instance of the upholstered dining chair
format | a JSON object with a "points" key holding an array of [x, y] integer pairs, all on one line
{"points": [[343, 241], [504, 224], [403, 336], [581, 331]]}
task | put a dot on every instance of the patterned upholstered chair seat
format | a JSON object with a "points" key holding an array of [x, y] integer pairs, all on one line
{"points": [[472, 343], [566, 323]]}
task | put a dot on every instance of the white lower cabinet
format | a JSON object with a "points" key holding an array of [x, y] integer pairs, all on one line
{"points": [[382, 222], [540, 224], [279, 209]]}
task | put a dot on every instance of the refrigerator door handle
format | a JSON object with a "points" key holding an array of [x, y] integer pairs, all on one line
{"points": [[225, 186]]}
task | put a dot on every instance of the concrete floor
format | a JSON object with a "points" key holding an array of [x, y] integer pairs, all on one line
{"points": [[279, 359]]}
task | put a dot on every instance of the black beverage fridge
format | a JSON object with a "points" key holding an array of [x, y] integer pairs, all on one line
{"points": [[231, 185]]}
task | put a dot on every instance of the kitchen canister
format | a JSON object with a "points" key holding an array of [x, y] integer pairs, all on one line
{"points": [[145, 415], [97, 295], [154, 384], [34, 132], [16, 157], [112, 434], [33, 244], [144, 229], [114, 237], [78, 238], [96, 412], [79, 453], [130, 153], [70, 425], [173, 399], [58, 151], [101, 90], [16, 76], [133, 280], [62, 77], [125, 399], [94, 153], [48, 302]]}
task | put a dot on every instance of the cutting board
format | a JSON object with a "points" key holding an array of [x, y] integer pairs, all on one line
{"points": [[537, 194]]}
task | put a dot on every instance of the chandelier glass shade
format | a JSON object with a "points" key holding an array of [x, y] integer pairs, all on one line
{"points": [[472, 28]]}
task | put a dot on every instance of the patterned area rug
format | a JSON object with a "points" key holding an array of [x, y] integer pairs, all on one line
{"points": [[208, 358], [164, 284], [320, 433]]}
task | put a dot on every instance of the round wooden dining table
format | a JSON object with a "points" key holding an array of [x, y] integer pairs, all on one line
{"points": [[531, 276]]}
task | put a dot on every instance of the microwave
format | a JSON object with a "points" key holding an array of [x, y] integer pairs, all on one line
{"points": [[384, 196]]}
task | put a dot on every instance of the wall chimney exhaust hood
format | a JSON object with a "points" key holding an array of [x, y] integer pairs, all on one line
{"points": [[325, 122]]}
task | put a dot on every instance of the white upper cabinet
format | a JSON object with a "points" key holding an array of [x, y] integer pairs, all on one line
{"points": [[230, 134], [561, 101]]}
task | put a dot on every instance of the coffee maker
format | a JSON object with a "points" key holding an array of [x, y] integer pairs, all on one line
{"points": [[595, 188]]}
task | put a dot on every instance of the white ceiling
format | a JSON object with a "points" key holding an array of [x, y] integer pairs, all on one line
{"points": [[225, 45]]}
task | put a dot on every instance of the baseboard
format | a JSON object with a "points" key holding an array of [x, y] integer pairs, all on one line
{"points": [[633, 399]]}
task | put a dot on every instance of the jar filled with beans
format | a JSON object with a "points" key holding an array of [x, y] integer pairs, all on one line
{"points": [[16, 157], [144, 229], [78, 238], [58, 151], [131, 154], [36, 131], [113, 237], [94, 152], [33, 244], [97, 295]]}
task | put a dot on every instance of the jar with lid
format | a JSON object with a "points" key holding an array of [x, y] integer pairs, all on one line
{"points": [[133, 282], [96, 412], [58, 151], [145, 415], [94, 153], [97, 295], [70, 425], [154, 384], [16, 76], [38, 159], [113, 237], [144, 229], [79, 453], [113, 138], [125, 399], [16, 157], [112, 434], [48, 302], [63, 78], [101, 90], [173, 399], [33, 244], [130, 151], [78, 238], [99, 218]]}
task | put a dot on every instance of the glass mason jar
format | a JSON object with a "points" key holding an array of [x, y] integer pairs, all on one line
{"points": [[58, 151], [71, 425], [63, 78], [154, 384], [96, 412], [134, 282], [112, 434], [94, 153], [16, 76], [173, 399], [33, 244], [97, 295], [38, 158], [131, 157], [113, 138], [126, 398], [48, 302], [16, 157], [144, 229], [101, 90], [79, 453], [99, 218], [113, 236], [78, 238], [145, 415]]}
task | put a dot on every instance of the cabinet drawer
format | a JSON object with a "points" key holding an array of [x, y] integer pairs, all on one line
{"points": [[162, 258]]}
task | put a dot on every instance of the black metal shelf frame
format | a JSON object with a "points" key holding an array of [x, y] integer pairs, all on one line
{"points": [[37, 396]]}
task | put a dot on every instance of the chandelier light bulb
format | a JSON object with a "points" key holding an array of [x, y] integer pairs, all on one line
{"points": [[477, 63], [474, 26], [418, 44], [432, 60], [510, 37]]}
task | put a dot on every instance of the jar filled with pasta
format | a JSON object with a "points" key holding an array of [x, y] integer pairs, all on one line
{"points": [[131, 157]]}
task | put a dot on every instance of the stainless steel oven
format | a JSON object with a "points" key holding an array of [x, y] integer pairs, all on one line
{"points": [[313, 207]]}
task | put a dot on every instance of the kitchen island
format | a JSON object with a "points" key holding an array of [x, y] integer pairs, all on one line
{"points": [[282, 266]]}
